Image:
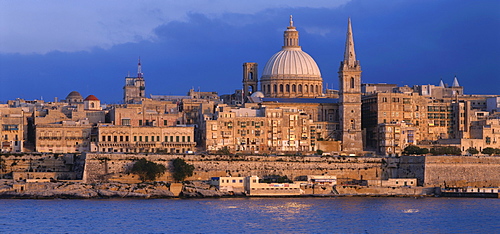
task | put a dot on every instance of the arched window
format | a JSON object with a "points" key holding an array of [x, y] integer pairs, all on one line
{"points": [[352, 82], [300, 88], [353, 124], [306, 88], [269, 88], [263, 88], [250, 75], [294, 88], [275, 88], [317, 88], [91, 105], [281, 88], [287, 88]]}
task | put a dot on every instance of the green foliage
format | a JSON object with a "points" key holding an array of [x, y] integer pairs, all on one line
{"points": [[224, 151], [446, 150], [147, 170], [472, 150], [319, 152], [490, 151], [415, 150], [182, 170]]}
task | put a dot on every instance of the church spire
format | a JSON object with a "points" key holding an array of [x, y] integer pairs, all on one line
{"points": [[139, 69], [349, 53]]}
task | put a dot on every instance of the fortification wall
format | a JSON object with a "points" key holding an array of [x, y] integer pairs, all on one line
{"points": [[102, 167], [449, 171], [461, 171]]}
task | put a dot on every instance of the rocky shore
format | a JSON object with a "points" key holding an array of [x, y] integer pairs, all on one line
{"points": [[9, 189], [79, 190]]}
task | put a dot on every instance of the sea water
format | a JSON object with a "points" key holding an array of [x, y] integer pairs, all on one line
{"points": [[252, 215]]}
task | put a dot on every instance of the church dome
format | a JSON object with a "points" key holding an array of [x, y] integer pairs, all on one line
{"points": [[74, 97], [291, 72], [292, 61], [91, 98], [257, 94]]}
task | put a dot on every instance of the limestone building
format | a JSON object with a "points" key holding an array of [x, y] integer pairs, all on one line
{"points": [[150, 139], [63, 137]]}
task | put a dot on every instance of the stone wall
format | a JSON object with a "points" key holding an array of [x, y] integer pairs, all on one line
{"points": [[102, 167], [451, 171], [461, 171]]}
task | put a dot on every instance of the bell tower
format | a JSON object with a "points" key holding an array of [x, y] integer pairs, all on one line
{"points": [[350, 97], [250, 79]]}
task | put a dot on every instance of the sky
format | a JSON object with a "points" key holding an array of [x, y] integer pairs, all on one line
{"points": [[50, 48]]}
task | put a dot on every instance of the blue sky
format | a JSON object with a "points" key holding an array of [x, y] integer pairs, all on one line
{"points": [[50, 48]]}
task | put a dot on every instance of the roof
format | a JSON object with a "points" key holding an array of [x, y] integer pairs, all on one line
{"points": [[292, 61], [74, 94], [91, 98]]}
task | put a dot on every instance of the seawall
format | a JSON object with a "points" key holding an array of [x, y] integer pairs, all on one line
{"points": [[104, 167]]}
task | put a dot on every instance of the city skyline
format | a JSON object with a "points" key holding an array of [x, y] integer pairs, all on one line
{"points": [[200, 46]]}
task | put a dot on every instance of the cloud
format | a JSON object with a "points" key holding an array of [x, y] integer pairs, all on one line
{"points": [[70, 26]]}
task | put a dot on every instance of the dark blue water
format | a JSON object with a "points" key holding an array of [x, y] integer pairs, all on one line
{"points": [[252, 215]]}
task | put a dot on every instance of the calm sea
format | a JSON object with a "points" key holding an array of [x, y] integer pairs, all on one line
{"points": [[252, 215]]}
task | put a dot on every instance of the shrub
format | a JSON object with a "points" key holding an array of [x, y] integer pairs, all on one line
{"points": [[415, 150], [472, 150]]}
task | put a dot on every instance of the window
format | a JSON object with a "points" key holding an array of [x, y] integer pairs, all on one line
{"points": [[171, 138], [140, 122], [109, 138], [115, 138], [135, 138], [157, 138], [126, 138], [121, 138], [352, 82], [103, 138], [126, 122], [146, 139], [183, 139], [189, 138], [281, 88], [287, 88], [177, 139], [165, 122]]}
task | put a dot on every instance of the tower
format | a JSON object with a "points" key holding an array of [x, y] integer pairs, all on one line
{"points": [[250, 79], [135, 87], [350, 97]]}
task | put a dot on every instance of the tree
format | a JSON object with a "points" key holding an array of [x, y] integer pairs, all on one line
{"points": [[147, 170], [415, 150], [488, 151], [319, 152], [472, 151], [182, 170], [446, 150]]}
